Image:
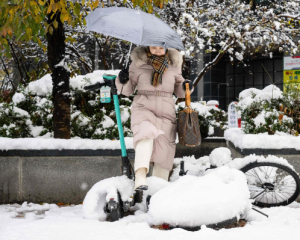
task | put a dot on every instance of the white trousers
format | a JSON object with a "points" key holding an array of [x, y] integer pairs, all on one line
{"points": [[143, 152]]}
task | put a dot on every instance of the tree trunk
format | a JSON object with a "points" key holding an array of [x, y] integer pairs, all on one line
{"points": [[60, 78]]}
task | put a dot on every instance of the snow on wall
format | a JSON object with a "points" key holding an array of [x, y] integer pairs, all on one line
{"points": [[39, 143], [261, 140]]}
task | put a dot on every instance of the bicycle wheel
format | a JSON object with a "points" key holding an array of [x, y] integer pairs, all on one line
{"points": [[271, 184]]}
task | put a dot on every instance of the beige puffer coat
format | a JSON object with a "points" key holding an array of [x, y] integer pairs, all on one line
{"points": [[154, 116]]}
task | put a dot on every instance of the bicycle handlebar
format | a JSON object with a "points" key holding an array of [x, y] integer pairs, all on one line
{"points": [[93, 86]]}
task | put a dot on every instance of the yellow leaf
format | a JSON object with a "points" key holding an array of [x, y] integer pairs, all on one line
{"points": [[42, 3], [9, 31], [39, 41], [3, 40], [95, 4], [55, 23], [49, 8], [28, 33], [70, 21], [84, 22], [103, 4], [58, 6], [44, 49], [54, 7], [37, 11], [63, 17], [33, 3], [83, 2], [51, 30]]}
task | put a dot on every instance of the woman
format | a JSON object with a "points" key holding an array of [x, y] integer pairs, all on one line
{"points": [[156, 74]]}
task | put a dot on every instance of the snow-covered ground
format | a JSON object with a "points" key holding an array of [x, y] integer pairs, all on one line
{"points": [[261, 140], [67, 223], [199, 198]]}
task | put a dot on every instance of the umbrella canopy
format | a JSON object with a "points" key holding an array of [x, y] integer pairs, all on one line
{"points": [[134, 26]]}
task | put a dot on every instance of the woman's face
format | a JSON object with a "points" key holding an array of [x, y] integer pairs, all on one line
{"points": [[158, 51]]}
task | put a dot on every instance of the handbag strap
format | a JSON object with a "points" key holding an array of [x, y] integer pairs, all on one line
{"points": [[187, 95]]}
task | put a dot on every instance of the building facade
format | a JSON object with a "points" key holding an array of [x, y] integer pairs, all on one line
{"points": [[226, 80]]}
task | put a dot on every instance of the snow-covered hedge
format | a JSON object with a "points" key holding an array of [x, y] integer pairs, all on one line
{"points": [[270, 110], [30, 112]]}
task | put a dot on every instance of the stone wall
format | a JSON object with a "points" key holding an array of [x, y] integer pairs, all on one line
{"points": [[54, 176]]}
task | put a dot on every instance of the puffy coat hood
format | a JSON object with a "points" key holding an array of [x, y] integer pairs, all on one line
{"points": [[139, 57]]}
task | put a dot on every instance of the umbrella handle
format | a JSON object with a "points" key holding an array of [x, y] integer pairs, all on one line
{"points": [[187, 95], [127, 60]]}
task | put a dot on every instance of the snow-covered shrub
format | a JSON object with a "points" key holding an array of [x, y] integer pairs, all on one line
{"points": [[89, 117], [209, 117], [270, 110], [14, 122], [92, 119]]}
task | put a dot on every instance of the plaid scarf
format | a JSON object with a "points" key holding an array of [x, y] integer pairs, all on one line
{"points": [[160, 65]]}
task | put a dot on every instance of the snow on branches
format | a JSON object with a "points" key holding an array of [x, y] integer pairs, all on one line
{"points": [[239, 29]]}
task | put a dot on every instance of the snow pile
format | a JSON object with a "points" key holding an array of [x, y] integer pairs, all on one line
{"points": [[106, 189], [41, 87], [212, 103], [251, 95], [192, 166], [38, 210], [44, 85], [59, 144], [18, 97], [194, 201], [261, 140], [220, 156], [102, 192]]}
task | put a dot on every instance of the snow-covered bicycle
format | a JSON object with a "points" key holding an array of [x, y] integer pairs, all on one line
{"points": [[271, 181]]}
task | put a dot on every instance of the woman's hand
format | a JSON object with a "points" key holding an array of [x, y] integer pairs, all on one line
{"points": [[124, 76], [191, 86]]}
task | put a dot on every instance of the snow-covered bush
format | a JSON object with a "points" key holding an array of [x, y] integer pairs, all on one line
{"points": [[14, 122], [270, 110], [89, 117], [30, 112]]}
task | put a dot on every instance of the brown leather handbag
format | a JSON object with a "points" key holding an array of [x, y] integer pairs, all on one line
{"points": [[188, 124]]}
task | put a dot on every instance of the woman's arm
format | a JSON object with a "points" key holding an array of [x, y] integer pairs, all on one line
{"points": [[129, 87], [178, 89]]}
